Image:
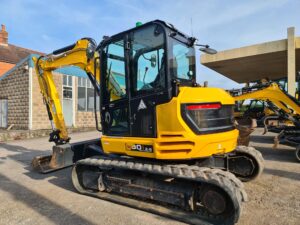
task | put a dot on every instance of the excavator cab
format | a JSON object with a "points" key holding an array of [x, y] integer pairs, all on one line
{"points": [[147, 64], [150, 99]]}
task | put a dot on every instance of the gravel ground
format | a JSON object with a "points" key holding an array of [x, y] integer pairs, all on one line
{"points": [[31, 198]]}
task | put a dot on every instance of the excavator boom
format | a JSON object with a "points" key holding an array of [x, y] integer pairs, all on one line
{"points": [[73, 55], [81, 54], [279, 102], [271, 92]]}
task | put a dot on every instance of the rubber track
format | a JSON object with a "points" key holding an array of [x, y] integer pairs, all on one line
{"points": [[256, 155], [225, 180]]}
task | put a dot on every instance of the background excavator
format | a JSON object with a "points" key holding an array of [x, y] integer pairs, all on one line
{"points": [[280, 114], [165, 139]]}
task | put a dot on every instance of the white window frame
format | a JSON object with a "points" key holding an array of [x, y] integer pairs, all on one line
{"points": [[68, 85], [87, 84]]}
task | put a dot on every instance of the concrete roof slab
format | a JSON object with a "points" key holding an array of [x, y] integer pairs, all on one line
{"points": [[253, 62]]}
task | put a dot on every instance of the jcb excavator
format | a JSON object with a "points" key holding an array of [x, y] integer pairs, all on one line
{"points": [[165, 139], [284, 108]]}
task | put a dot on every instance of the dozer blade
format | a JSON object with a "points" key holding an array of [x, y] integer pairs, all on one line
{"points": [[62, 157]]}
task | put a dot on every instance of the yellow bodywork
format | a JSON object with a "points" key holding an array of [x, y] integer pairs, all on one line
{"points": [[175, 140]]}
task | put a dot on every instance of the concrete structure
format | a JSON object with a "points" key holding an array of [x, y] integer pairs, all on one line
{"points": [[273, 60]]}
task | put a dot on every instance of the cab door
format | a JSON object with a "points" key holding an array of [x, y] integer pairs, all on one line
{"points": [[114, 110], [147, 79]]}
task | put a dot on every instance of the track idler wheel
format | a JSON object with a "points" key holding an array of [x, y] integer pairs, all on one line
{"points": [[247, 163], [214, 201]]}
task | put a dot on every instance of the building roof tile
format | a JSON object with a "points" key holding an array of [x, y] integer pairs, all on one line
{"points": [[13, 54]]}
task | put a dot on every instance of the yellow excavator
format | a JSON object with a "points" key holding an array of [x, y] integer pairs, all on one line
{"points": [[168, 146], [283, 111]]}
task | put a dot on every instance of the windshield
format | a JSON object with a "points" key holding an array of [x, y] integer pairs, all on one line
{"points": [[182, 61]]}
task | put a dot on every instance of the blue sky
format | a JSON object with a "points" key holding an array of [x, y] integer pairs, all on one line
{"points": [[48, 25]]}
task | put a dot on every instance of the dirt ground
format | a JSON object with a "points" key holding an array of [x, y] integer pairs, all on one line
{"points": [[27, 197]]}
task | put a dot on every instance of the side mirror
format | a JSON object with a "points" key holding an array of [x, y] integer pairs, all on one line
{"points": [[153, 60], [208, 50]]}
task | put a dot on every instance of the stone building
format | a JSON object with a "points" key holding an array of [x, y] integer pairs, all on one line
{"points": [[21, 104]]}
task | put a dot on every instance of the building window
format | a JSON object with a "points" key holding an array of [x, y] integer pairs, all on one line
{"points": [[81, 94], [90, 99], [67, 87], [85, 95]]}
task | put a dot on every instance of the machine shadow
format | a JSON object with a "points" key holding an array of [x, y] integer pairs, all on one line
{"points": [[60, 178], [22, 154], [282, 173], [279, 155], [262, 139], [270, 153], [40, 204]]}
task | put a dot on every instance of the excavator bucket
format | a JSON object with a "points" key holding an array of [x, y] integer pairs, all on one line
{"points": [[62, 157], [66, 155], [246, 127]]}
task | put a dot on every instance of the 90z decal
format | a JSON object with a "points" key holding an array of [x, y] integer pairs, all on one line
{"points": [[142, 148]]}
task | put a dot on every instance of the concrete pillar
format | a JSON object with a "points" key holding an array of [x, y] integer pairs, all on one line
{"points": [[291, 61]]}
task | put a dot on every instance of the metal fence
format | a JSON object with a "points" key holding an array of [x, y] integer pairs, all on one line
{"points": [[3, 113]]}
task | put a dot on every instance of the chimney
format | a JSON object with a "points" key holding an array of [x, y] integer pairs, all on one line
{"points": [[3, 35]]}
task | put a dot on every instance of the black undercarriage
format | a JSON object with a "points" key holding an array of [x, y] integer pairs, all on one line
{"points": [[204, 194]]}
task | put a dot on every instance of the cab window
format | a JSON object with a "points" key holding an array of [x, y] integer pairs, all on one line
{"points": [[115, 71], [147, 60]]}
